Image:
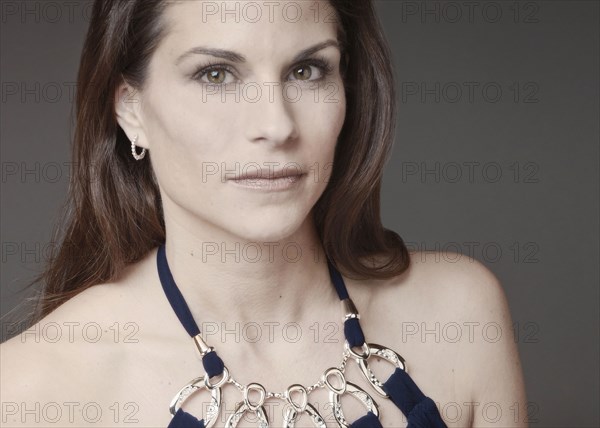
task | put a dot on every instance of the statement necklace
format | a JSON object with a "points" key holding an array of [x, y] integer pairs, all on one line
{"points": [[399, 387]]}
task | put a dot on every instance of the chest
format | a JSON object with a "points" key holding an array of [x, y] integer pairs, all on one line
{"points": [[146, 376], [151, 374]]}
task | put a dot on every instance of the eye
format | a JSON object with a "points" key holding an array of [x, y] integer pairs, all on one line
{"points": [[304, 72], [215, 74]]}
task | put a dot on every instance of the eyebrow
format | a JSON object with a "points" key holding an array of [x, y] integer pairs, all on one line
{"points": [[236, 57]]}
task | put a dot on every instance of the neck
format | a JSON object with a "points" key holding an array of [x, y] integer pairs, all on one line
{"points": [[224, 278]]}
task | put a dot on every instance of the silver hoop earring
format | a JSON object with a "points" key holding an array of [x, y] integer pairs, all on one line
{"points": [[133, 151]]}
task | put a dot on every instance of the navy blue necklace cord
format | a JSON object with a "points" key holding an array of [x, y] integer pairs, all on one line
{"points": [[420, 410]]}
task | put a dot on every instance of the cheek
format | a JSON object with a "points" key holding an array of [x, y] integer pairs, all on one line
{"points": [[190, 123], [188, 141], [320, 124], [189, 117]]}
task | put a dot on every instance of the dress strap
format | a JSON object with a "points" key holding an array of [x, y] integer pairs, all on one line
{"points": [[173, 294], [352, 329], [338, 281], [213, 365], [419, 409]]}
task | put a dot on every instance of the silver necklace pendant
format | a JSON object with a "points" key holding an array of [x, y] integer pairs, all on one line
{"points": [[192, 387], [385, 353], [291, 417], [246, 406], [293, 412], [355, 391], [240, 409]]}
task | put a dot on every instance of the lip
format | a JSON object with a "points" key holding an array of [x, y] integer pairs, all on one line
{"points": [[281, 183], [268, 174]]}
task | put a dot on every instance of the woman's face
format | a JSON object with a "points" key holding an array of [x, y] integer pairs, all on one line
{"points": [[261, 106]]}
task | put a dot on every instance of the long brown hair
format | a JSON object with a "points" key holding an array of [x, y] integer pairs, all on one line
{"points": [[113, 212]]}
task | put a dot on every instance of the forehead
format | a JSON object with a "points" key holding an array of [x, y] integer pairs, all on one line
{"points": [[261, 27]]}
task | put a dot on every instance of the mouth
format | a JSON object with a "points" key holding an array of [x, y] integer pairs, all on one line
{"points": [[282, 182], [268, 174]]}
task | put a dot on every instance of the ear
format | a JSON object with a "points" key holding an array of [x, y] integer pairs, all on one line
{"points": [[129, 113]]}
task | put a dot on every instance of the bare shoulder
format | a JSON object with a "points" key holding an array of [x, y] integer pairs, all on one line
{"points": [[63, 326], [449, 284], [61, 358], [452, 317], [82, 319]]}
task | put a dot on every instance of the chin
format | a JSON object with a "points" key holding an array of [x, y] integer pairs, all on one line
{"points": [[267, 229]]}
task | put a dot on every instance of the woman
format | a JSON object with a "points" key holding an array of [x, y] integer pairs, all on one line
{"points": [[230, 157]]}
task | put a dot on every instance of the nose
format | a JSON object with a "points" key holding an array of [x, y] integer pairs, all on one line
{"points": [[270, 117]]}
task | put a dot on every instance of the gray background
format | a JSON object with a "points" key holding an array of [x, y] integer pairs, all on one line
{"points": [[516, 185]]}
